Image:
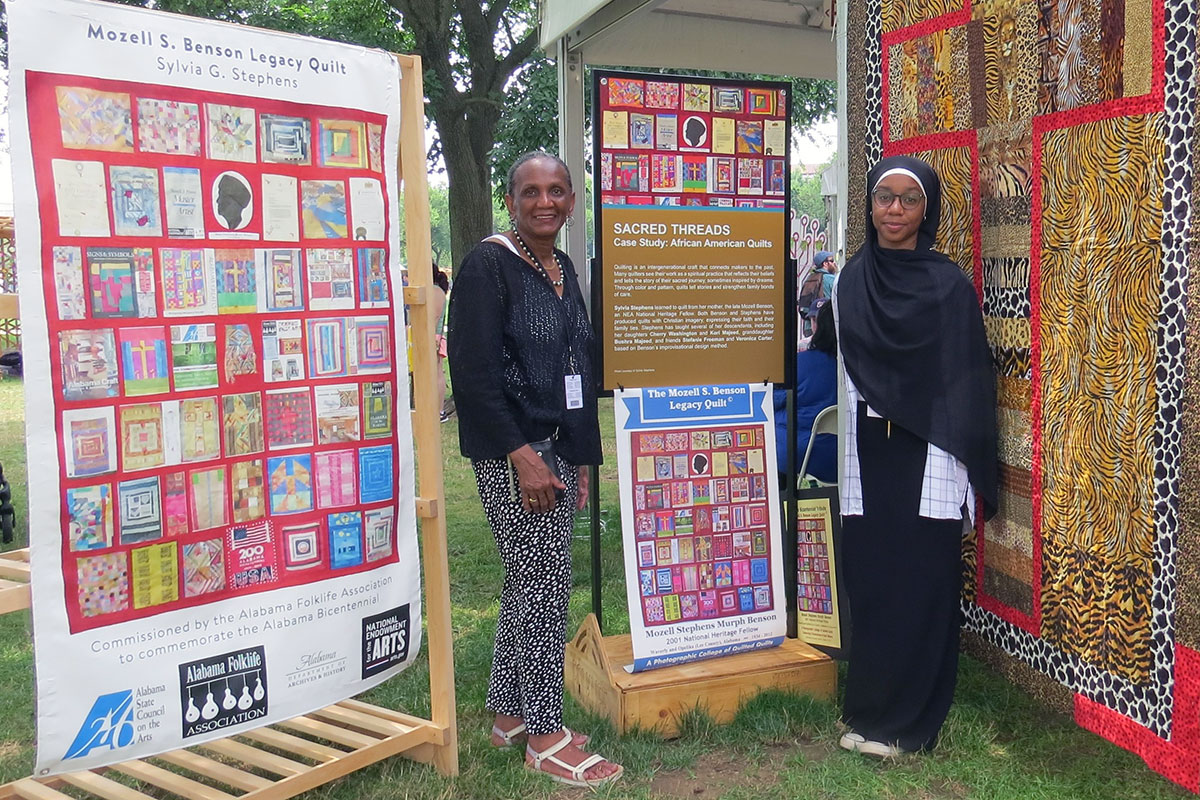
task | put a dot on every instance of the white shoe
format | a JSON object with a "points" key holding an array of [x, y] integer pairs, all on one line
{"points": [[857, 743], [850, 741]]}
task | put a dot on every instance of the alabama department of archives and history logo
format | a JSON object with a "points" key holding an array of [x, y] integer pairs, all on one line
{"points": [[385, 638], [223, 691]]}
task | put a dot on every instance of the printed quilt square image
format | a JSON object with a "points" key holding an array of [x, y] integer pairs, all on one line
{"points": [[209, 498], [291, 484], [203, 567], [374, 340], [289, 418], [375, 474], [247, 486], [95, 120], [103, 584], [343, 143], [301, 545]]}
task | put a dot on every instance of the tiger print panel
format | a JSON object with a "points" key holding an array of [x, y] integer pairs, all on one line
{"points": [[954, 238], [899, 14], [1010, 58], [1005, 174], [1100, 289]]}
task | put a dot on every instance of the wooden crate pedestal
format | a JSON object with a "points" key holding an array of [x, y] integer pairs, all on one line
{"points": [[657, 699]]}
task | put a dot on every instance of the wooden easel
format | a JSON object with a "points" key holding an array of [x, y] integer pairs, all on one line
{"points": [[287, 758]]}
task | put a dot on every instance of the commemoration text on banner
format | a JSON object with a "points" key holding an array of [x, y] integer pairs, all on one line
{"points": [[223, 514]]}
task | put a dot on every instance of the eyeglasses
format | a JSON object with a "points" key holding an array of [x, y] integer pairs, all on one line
{"points": [[884, 198]]}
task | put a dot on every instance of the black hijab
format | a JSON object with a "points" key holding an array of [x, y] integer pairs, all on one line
{"points": [[912, 337]]}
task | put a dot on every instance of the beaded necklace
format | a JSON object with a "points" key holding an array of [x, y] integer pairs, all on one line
{"points": [[555, 283]]}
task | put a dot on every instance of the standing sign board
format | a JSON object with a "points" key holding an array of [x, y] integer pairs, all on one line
{"points": [[691, 230], [820, 618], [700, 521], [207, 226]]}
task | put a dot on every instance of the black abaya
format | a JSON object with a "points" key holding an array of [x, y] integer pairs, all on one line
{"points": [[902, 577]]}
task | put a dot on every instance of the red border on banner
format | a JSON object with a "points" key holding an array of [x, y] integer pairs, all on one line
{"points": [[44, 133]]}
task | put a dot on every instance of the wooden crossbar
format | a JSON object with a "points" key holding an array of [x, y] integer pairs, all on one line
{"points": [[14, 580]]}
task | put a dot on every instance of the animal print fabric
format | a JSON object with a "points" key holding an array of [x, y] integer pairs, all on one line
{"points": [[1099, 264], [902, 13], [1086, 590], [954, 238]]}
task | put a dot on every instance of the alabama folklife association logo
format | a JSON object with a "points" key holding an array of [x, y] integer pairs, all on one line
{"points": [[223, 691]]}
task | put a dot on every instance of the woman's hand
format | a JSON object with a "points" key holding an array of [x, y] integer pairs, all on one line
{"points": [[537, 482], [583, 489]]}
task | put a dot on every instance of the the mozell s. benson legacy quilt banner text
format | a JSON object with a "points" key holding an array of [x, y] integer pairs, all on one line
{"points": [[700, 522], [222, 506]]}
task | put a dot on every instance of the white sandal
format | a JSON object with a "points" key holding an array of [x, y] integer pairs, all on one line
{"points": [[576, 776], [509, 738]]}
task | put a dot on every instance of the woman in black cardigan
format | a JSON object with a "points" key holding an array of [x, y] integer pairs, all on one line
{"points": [[521, 347]]}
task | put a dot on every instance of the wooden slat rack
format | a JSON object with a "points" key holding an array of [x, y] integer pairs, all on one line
{"points": [[14, 580], [276, 761]]}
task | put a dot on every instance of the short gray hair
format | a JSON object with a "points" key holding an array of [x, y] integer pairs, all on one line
{"points": [[511, 185]]}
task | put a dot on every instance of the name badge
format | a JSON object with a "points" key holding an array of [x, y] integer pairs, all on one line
{"points": [[574, 385]]}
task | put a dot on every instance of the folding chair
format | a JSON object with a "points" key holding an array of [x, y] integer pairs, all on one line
{"points": [[826, 422]]}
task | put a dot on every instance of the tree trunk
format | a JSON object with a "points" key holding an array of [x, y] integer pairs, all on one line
{"points": [[468, 170]]}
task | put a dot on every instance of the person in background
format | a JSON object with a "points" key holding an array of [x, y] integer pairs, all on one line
{"points": [[442, 284], [816, 389], [521, 361], [920, 447], [824, 265], [817, 287]]}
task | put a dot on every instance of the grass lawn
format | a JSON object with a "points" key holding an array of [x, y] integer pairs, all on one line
{"points": [[998, 743]]}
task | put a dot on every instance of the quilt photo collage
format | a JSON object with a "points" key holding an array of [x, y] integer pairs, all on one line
{"points": [[702, 523], [221, 341], [673, 143]]}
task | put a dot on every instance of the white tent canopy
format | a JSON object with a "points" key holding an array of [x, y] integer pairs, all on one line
{"points": [[772, 37], [768, 37]]}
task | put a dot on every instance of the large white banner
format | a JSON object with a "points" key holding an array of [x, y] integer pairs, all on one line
{"points": [[221, 483], [700, 522]]}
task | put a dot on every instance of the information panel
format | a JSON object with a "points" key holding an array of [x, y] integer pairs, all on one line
{"points": [[700, 522], [222, 514], [691, 230], [818, 619]]}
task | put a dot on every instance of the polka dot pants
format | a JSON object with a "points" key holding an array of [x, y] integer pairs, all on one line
{"points": [[531, 632]]}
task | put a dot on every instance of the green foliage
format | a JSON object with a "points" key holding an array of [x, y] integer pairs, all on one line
{"points": [[806, 196], [370, 23], [469, 53], [439, 226], [530, 119]]}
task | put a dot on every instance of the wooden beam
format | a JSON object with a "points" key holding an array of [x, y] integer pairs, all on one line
{"points": [[427, 429], [170, 781], [294, 744], [202, 765]]}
